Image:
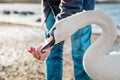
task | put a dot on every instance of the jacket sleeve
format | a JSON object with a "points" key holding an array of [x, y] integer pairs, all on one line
{"points": [[54, 5]]}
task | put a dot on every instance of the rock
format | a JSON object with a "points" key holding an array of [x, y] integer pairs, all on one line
{"points": [[30, 12], [6, 12], [38, 20], [23, 13], [15, 12]]}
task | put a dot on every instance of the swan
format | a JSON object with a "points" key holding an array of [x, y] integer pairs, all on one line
{"points": [[97, 64]]}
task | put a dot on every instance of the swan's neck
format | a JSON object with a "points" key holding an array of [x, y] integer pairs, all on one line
{"points": [[99, 48], [66, 27]]}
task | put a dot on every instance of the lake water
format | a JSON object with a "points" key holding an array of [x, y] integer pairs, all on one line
{"points": [[112, 9]]}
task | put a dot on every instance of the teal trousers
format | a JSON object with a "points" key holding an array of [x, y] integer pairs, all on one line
{"points": [[80, 42]]}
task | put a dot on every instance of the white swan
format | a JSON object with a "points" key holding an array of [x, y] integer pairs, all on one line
{"points": [[97, 65]]}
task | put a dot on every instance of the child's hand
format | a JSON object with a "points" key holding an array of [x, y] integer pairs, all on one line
{"points": [[42, 52], [38, 54]]}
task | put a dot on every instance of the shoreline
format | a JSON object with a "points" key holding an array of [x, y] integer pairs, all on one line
{"points": [[38, 1], [107, 2]]}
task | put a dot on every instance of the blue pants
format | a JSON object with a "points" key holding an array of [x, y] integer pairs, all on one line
{"points": [[80, 42]]}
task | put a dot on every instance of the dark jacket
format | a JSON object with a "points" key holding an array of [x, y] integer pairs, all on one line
{"points": [[64, 8], [47, 6]]}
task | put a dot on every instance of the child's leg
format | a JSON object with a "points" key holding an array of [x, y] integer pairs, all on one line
{"points": [[80, 42], [54, 60]]}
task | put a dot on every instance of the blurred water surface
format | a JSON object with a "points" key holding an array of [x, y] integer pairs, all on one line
{"points": [[112, 9]]}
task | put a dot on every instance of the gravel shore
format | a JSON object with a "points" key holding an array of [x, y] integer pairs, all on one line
{"points": [[16, 63]]}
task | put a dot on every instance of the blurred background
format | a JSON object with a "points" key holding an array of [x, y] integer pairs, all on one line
{"points": [[20, 29], [20, 1], [38, 1]]}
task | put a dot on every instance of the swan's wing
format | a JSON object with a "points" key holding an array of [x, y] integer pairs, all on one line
{"points": [[113, 59]]}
